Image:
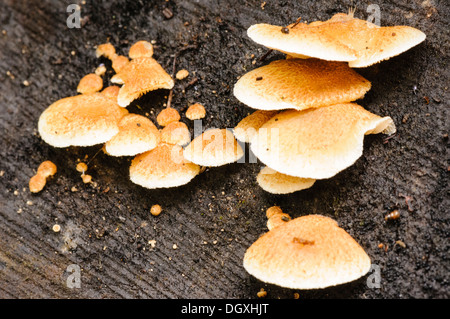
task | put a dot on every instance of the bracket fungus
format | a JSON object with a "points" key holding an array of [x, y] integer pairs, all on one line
{"points": [[140, 49], [277, 183], [106, 50], [81, 120], [317, 143], [111, 92], [140, 76], [90, 83], [308, 252], [162, 167], [276, 217], [137, 134], [214, 147], [248, 126], [195, 111], [341, 38], [167, 116], [300, 84], [118, 62], [176, 133]]}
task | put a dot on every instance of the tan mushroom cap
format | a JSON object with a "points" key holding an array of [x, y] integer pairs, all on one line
{"points": [[47, 168], [81, 120], [249, 125], [111, 92], [162, 167], [308, 252], [319, 142], [140, 76], [107, 50], [119, 62], [196, 111], [167, 116], [276, 217], [176, 133], [341, 38], [277, 183], [300, 84], [90, 83], [137, 134], [141, 49], [182, 74], [214, 147]]}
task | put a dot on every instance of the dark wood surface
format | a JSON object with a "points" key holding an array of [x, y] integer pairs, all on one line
{"points": [[106, 227]]}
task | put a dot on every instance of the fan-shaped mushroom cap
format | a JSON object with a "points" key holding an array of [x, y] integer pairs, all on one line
{"points": [[300, 84], [137, 134], [119, 62], [167, 116], [162, 167], [140, 76], [341, 38], [111, 92], [308, 252], [276, 217], [81, 120], [214, 147], [107, 50], [176, 133], [248, 126], [90, 83], [141, 49], [277, 183], [196, 112], [317, 143]]}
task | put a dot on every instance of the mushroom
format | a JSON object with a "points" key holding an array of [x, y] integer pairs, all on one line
{"points": [[111, 92], [182, 74], [45, 170], [176, 133], [196, 111], [81, 120], [119, 62], [141, 49], [276, 217], [90, 83], [137, 134], [277, 183], [162, 167], [317, 143], [167, 116], [106, 50], [308, 252], [300, 84], [341, 38], [248, 126], [140, 76], [214, 147]]}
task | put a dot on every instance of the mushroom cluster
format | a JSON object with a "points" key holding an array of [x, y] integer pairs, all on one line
{"points": [[307, 126], [97, 116]]}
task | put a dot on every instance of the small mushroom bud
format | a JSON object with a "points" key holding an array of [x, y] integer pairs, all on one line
{"points": [[37, 183], [47, 168], [155, 210]]}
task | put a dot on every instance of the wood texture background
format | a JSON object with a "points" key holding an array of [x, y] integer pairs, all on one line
{"points": [[106, 228]]}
